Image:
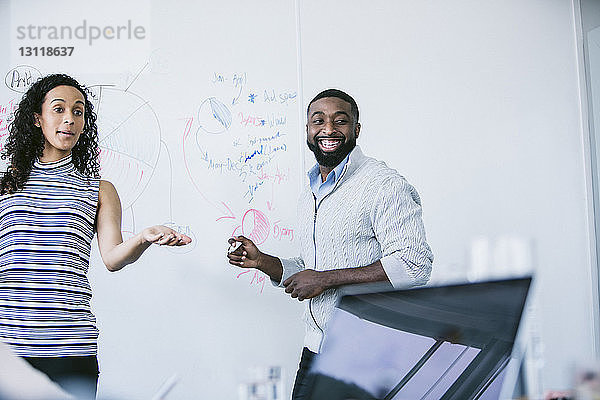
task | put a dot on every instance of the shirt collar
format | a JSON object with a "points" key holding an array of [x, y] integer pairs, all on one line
{"points": [[63, 165], [314, 173]]}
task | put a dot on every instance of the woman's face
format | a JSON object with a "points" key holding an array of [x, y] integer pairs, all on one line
{"points": [[62, 121]]}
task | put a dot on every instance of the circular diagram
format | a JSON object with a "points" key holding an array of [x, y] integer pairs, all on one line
{"points": [[21, 77], [130, 138], [255, 226], [214, 116]]}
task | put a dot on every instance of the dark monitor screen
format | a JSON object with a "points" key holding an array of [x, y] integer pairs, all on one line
{"points": [[448, 342]]}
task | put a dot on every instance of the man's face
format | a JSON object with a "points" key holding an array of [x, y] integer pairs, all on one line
{"points": [[331, 130]]}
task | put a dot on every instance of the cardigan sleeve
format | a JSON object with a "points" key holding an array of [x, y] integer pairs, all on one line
{"points": [[290, 266], [398, 227]]}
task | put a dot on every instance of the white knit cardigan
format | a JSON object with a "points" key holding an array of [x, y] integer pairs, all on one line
{"points": [[371, 214]]}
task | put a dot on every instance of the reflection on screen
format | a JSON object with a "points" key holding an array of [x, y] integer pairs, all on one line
{"points": [[450, 343], [382, 356]]}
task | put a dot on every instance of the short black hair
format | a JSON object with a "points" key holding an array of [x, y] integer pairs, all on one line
{"points": [[340, 95]]}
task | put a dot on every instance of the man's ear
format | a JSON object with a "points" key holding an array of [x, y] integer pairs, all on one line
{"points": [[357, 130]]}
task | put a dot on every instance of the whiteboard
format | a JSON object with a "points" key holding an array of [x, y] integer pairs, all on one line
{"points": [[199, 125], [475, 103]]}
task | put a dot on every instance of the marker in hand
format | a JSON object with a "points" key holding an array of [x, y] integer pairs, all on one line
{"points": [[233, 246]]}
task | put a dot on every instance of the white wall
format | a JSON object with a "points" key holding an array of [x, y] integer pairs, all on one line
{"points": [[476, 103]]}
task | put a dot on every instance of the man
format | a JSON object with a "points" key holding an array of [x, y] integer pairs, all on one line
{"points": [[359, 221]]}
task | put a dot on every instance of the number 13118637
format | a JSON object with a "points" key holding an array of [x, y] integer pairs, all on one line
{"points": [[46, 51]]}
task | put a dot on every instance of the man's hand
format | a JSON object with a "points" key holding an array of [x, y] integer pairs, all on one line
{"points": [[246, 255], [306, 284]]}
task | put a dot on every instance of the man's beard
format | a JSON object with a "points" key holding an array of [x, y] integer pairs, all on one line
{"points": [[332, 158]]}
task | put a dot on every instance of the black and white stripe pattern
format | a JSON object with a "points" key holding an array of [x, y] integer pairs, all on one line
{"points": [[46, 231]]}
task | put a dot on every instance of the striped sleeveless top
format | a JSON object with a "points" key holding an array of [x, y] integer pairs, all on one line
{"points": [[46, 230]]}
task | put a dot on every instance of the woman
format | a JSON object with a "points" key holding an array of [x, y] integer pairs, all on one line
{"points": [[52, 202]]}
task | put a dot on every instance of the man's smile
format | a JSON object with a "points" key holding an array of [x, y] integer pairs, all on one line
{"points": [[329, 144]]}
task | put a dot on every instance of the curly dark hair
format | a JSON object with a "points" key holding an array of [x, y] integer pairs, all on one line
{"points": [[25, 143]]}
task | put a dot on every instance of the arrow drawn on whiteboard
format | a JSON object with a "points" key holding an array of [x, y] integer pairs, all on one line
{"points": [[135, 78], [230, 214], [238, 81], [186, 133], [235, 99]]}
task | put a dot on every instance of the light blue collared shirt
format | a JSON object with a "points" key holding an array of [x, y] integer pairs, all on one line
{"points": [[319, 188]]}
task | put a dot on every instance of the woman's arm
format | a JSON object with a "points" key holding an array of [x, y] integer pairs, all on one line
{"points": [[114, 252]]}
